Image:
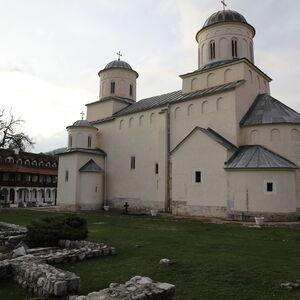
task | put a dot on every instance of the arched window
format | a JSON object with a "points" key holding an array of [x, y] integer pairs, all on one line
{"points": [[70, 141], [27, 162], [176, 112], [121, 124], [295, 135], [152, 117], [141, 120], [130, 90], [190, 109], [234, 49], [48, 164], [112, 87], [54, 165], [89, 141], [212, 50], [41, 164], [9, 160], [130, 122], [34, 163], [251, 53], [19, 161]]}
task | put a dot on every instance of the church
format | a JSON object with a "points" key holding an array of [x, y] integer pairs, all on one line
{"points": [[221, 146]]}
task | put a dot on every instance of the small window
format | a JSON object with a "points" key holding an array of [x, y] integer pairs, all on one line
{"points": [[269, 187], [132, 162], [212, 50], [234, 48], [197, 176], [156, 168], [112, 87], [89, 141], [131, 90], [67, 176]]}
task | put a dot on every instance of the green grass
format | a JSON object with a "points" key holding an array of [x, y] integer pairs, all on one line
{"points": [[227, 261]]}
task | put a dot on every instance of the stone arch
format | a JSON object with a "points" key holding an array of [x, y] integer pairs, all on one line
{"points": [[210, 80], [221, 104], [176, 112], [152, 118], [190, 109], [223, 47], [19, 161], [295, 136], [9, 160], [254, 136], [194, 84], [130, 122], [266, 86], [275, 135], [121, 124], [204, 107], [251, 76], [228, 76], [141, 120], [245, 48]]}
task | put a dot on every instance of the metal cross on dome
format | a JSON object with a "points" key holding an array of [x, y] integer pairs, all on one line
{"points": [[119, 54], [82, 115], [224, 4]]}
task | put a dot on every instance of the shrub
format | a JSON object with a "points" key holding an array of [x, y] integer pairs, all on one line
{"points": [[48, 231]]}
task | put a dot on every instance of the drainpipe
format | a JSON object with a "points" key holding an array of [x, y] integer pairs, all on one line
{"points": [[168, 158]]}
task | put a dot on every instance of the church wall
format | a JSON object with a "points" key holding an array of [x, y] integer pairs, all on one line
{"points": [[208, 198], [91, 191], [222, 35], [69, 192], [80, 137], [247, 191], [141, 135], [101, 110], [215, 111], [122, 78], [212, 78], [283, 139]]}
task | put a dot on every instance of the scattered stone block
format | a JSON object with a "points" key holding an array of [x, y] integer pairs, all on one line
{"points": [[166, 262]]}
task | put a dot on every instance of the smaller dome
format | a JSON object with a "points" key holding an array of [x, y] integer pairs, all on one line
{"points": [[118, 64], [224, 16], [82, 123]]}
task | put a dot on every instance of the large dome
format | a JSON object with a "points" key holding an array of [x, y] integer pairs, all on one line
{"points": [[225, 16], [118, 64]]}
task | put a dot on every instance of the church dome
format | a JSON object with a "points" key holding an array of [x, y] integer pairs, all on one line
{"points": [[223, 16], [118, 64], [82, 123]]}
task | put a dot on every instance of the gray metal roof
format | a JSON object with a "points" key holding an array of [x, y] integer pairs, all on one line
{"points": [[211, 133], [83, 150], [122, 99], [258, 157], [267, 110], [82, 123], [174, 97], [118, 64], [91, 166]]}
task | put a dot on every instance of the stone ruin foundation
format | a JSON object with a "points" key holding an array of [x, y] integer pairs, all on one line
{"points": [[34, 269]]}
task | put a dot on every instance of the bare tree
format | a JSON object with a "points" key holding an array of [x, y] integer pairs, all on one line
{"points": [[11, 134]]}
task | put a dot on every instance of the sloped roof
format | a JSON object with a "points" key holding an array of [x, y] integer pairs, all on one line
{"points": [[91, 166], [267, 110], [258, 157], [172, 97], [211, 133], [83, 150], [122, 99]]}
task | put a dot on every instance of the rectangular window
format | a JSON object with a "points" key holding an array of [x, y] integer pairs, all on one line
{"points": [[132, 162], [112, 87], [89, 141], [197, 176], [67, 176], [270, 187], [131, 90], [156, 168]]}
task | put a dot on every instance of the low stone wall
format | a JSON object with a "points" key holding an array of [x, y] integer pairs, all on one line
{"points": [[11, 234], [135, 204], [269, 217], [45, 280], [139, 288]]}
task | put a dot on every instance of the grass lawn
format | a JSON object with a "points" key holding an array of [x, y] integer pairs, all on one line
{"points": [[213, 261]]}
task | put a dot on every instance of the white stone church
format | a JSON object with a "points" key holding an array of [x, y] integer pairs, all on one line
{"points": [[221, 146]]}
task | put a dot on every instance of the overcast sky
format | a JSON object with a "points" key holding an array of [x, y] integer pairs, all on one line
{"points": [[52, 50]]}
